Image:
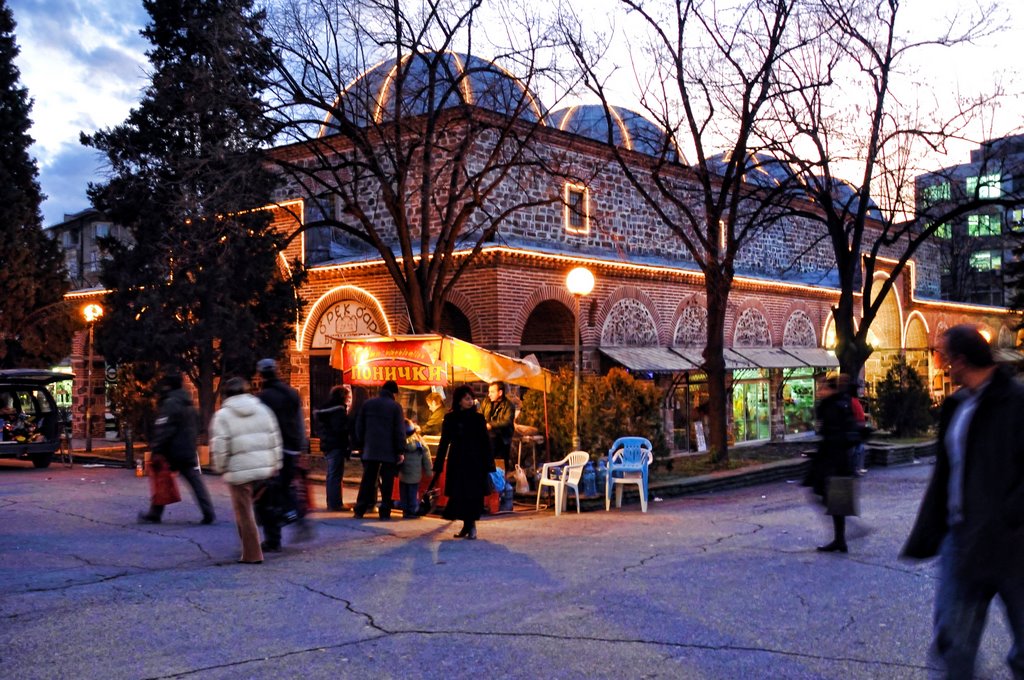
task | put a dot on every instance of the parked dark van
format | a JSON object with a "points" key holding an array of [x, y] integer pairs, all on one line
{"points": [[30, 422]]}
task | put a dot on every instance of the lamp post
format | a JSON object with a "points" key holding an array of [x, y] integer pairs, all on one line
{"points": [[91, 312], [579, 281]]}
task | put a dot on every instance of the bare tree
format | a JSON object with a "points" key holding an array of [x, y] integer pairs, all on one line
{"points": [[407, 142], [712, 78], [843, 117]]}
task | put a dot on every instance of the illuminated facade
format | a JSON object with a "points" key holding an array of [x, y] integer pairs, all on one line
{"points": [[647, 310]]}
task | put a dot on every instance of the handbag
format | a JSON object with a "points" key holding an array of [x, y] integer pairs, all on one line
{"points": [[841, 496], [522, 484], [162, 486], [429, 501]]}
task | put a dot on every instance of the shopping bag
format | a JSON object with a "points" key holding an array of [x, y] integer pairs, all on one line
{"points": [[162, 486], [522, 484], [841, 496]]}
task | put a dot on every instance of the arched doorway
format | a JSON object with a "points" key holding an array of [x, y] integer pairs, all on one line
{"points": [[548, 334], [343, 312], [885, 336]]}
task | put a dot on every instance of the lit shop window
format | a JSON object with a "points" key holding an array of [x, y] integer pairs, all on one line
{"points": [[1016, 221], [577, 209], [936, 193], [986, 186], [984, 225], [986, 260]]}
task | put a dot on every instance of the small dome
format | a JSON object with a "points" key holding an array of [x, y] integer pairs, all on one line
{"points": [[433, 81], [845, 194], [762, 170], [629, 130]]}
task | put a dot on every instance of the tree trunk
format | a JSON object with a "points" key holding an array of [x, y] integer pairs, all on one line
{"points": [[714, 366]]}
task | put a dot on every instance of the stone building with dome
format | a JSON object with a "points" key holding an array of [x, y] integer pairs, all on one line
{"points": [[647, 310]]}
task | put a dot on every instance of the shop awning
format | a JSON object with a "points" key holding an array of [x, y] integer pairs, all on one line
{"points": [[816, 357], [734, 361], [1007, 355], [771, 357], [421, 361], [654, 359]]}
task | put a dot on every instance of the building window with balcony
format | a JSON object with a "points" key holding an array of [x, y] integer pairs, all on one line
{"points": [[986, 261], [986, 186], [577, 208], [984, 225], [936, 193]]}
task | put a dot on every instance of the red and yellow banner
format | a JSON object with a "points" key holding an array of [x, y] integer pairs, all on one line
{"points": [[412, 363]]}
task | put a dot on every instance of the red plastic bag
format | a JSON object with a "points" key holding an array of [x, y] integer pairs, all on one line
{"points": [[162, 486]]}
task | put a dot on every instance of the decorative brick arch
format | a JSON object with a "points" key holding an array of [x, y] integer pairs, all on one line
{"points": [[752, 328], [629, 304], [938, 329], [323, 307], [799, 330], [464, 303], [690, 322], [546, 293], [916, 333]]}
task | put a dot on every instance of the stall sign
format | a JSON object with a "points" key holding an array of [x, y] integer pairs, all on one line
{"points": [[409, 363]]}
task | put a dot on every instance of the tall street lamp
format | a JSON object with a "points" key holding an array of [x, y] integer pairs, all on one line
{"points": [[580, 281], [92, 313]]}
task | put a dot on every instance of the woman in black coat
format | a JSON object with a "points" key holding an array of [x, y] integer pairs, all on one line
{"points": [[465, 454]]}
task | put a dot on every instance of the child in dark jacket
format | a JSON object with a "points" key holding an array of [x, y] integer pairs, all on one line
{"points": [[417, 462]]}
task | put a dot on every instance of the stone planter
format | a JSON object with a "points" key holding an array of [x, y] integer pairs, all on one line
{"points": [[884, 454]]}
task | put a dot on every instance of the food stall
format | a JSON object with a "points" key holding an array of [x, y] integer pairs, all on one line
{"points": [[421, 362]]}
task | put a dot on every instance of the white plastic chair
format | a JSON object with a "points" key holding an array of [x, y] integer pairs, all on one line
{"points": [[567, 477], [628, 460]]}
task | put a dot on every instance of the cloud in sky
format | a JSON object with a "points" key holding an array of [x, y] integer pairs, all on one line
{"points": [[84, 64]]}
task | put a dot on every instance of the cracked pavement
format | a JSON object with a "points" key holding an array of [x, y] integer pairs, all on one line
{"points": [[721, 585]]}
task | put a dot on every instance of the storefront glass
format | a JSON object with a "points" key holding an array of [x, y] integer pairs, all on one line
{"points": [[798, 400], [751, 408], [691, 400]]}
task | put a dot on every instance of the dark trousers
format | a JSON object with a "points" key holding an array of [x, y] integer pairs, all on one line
{"points": [[283, 486], [374, 470], [335, 472], [961, 607], [194, 477]]}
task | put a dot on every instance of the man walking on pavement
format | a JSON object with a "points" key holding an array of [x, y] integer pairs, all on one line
{"points": [[284, 401], [380, 433], [972, 514], [174, 437]]}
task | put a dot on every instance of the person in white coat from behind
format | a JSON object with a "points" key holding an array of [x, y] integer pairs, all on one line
{"points": [[246, 446]]}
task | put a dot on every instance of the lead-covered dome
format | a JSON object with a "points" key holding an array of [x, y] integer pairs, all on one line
{"points": [[629, 130], [432, 81]]}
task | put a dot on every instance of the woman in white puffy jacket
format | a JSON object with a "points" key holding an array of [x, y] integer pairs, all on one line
{"points": [[246, 445]]}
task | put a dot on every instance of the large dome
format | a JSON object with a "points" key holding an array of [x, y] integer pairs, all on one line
{"points": [[629, 130], [432, 81], [762, 170]]}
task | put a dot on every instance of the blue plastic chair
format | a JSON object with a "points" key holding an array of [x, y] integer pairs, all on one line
{"points": [[628, 461]]}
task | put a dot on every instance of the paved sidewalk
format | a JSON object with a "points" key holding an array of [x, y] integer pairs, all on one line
{"points": [[715, 585]]}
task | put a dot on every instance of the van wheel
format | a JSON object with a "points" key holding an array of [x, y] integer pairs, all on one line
{"points": [[41, 460]]}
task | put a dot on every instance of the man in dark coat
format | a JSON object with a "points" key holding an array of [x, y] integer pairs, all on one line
{"points": [[284, 401], [174, 437], [972, 514], [380, 432], [499, 415], [837, 430]]}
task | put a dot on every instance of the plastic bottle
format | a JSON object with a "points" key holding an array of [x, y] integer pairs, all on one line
{"points": [[589, 480]]}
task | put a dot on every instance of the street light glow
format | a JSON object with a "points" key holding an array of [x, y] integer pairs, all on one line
{"points": [[92, 312], [580, 281]]}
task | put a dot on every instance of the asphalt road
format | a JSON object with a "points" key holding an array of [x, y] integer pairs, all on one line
{"points": [[724, 585]]}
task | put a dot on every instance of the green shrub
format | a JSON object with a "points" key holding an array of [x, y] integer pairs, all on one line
{"points": [[611, 406], [903, 404]]}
